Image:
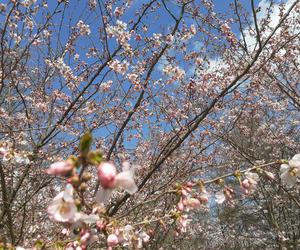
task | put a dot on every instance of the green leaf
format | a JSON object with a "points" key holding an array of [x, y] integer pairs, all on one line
{"points": [[85, 143], [95, 157]]}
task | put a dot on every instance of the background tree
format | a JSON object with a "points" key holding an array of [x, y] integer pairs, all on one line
{"points": [[191, 93]]}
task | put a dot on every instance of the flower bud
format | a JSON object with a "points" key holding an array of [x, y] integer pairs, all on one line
{"points": [[180, 206], [77, 202], [193, 203], [86, 176], [95, 157], [107, 173], [101, 224], [203, 197], [83, 187], [73, 160], [245, 183], [75, 181], [112, 240], [61, 168], [228, 192], [270, 175]]}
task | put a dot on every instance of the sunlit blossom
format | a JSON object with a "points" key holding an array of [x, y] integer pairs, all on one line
{"points": [[61, 168], [291, 171], [109, 179], [62, 208], [112, 240]]}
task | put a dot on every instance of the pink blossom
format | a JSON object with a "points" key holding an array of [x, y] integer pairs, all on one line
{"points": [[193, 29], [62, 208], [250, 182], [193, 203], [107, 175], [109, 180], [119, 11], [180, 206], [125, 180], [84, 29], [112, 240], [291, 171], [203, 197], [182, 224], [245, 183], [3, 151], [85, 237]]}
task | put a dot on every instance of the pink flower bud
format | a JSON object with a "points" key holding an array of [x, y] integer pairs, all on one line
{"points": [[245, 183], [203, 197], [138, 38], [189, 184], [3, 151], [184, 192], [65, 231], [245, 190], [180, 206], [270, 175], [84, 238], [107, 175], [112, 240], [193, 203], [101, 224], [61, 168], [228, 192]]}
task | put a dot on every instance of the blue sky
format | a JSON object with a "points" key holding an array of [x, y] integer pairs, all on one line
{"points": [[78, 9]]}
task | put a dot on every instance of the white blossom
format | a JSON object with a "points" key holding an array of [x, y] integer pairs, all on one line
{"points": [[289, 172], [63, 208]]}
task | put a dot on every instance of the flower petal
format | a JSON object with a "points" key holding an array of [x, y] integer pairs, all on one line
{"points": [[296, 157], [294, 163], [284, 168], [288, 179], [125, 180], [66, 216], [91, 218], [103, 195], [68, 193], [220, 197]]}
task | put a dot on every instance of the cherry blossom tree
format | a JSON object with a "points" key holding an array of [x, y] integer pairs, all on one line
{"points": [[149, 124]]}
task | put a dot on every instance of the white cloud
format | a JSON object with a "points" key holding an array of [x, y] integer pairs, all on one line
{"points": [[162, 63], [264, 6], [197, 46]]}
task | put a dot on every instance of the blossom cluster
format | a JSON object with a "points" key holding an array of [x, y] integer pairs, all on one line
{"points": [[9, 154], [83, 226], [67, 206], [119, 31]]}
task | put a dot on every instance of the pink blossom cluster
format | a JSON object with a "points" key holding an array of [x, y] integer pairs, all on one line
{"points": [[83, 29], [119, 31], [118, 67]]}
